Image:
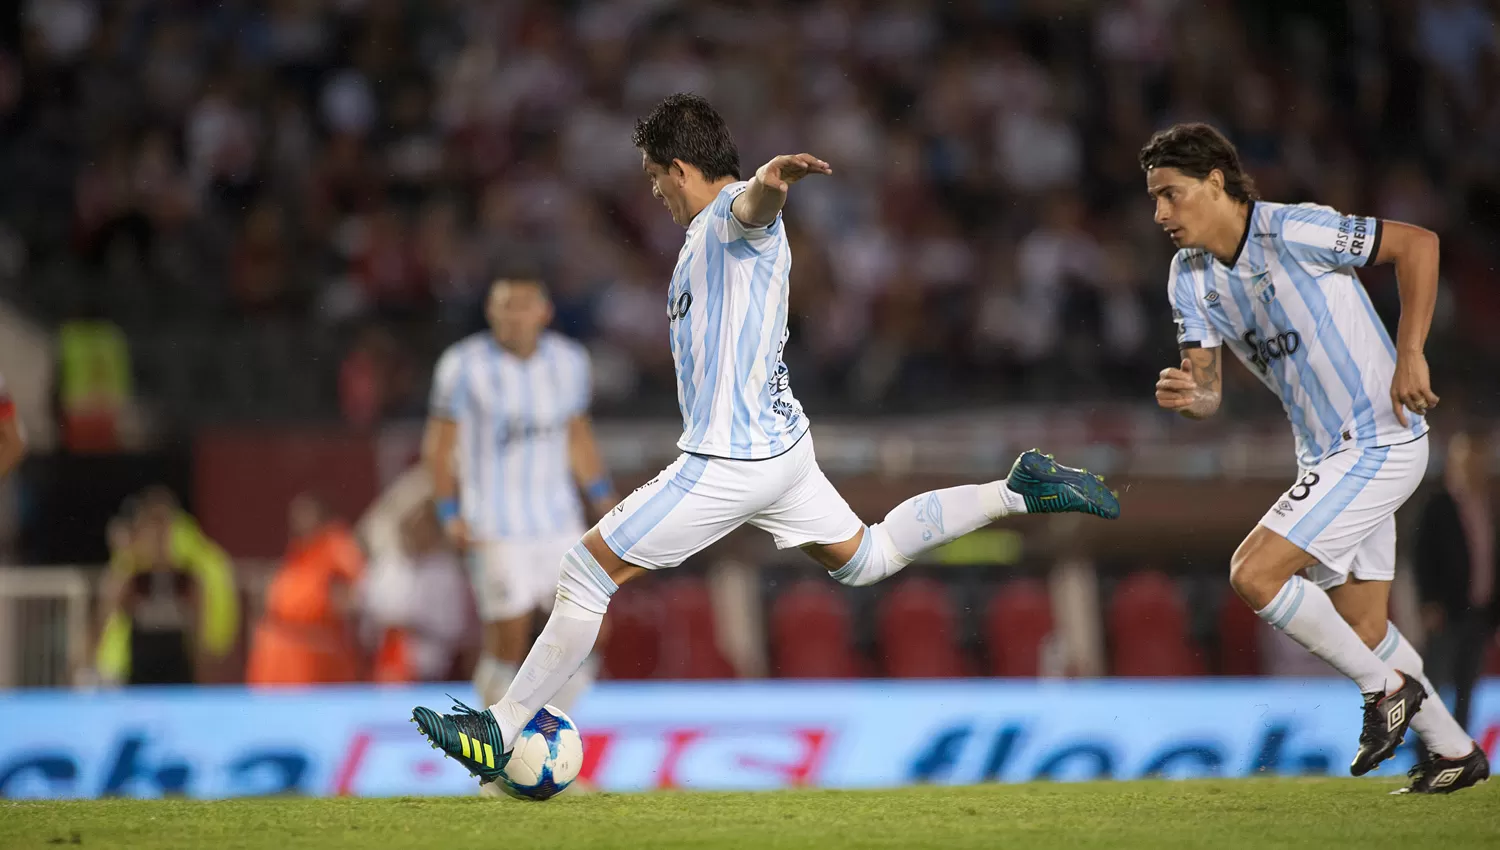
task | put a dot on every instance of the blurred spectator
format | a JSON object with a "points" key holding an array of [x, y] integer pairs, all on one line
{"points": [[1458, 570], [332, 161], [260, 266], [409, 603], [94, 384], [170, 601], [306, 632], [374, 379], [12, 436]]}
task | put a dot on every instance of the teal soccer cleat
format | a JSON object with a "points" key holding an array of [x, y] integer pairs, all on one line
{"points": [[470, 737], [1051, 488]]}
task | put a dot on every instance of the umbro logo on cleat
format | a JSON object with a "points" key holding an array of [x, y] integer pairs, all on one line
{"points": [[1447, 777], [1396, 715]]}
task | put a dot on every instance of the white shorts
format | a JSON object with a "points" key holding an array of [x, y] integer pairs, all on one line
{"points": [[698, 500], [512, 578], [1343, 511]]}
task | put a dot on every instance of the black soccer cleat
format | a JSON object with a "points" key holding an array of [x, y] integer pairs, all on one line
{"points": [[472, 738], [1386, 719], [1048, 487], [1438, 775]]}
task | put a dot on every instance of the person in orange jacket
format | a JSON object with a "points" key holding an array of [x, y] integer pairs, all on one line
{"points": [[306, 634]]}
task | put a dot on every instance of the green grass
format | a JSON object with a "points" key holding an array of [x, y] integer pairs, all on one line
{"points": [[1259, 813]]}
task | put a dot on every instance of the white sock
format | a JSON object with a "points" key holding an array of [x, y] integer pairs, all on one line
{"points": [[559, 651], [583, 593], [923, 523], [1304, 613], [1439, 731], [581, 681], [492, 677]]}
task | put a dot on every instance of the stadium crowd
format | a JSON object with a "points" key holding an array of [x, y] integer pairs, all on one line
{"points": [[366, 167]]}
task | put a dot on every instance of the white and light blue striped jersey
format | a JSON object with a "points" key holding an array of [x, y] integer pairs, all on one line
{"points": [[727, 305], [1293, 311], [515, 481]]}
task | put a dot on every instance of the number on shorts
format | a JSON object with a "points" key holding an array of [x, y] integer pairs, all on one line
{"points": [[1308, 481]]}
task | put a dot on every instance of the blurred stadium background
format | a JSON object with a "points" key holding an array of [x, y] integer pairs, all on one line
{"points": [[235, 235]]}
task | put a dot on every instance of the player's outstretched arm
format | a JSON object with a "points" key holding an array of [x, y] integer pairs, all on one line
{"points": [[1193, 388], [1415, 252], [762, 200]]}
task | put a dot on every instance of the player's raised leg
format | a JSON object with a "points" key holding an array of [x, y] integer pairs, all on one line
{"points": [[1453, 760], [1037, 484]]}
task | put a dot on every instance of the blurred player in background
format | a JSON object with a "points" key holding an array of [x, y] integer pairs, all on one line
{"points": [[12, 439], [1275, 284], [747, 455], [508, 447]]}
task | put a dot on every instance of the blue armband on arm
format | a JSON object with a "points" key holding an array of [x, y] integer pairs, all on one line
{"points": [[447, 510], [599, 488]]}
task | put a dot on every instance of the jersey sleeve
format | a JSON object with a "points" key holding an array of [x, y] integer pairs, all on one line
{"points": [[447, 385], [1323, 238], [1187, 291], [735, 230]]}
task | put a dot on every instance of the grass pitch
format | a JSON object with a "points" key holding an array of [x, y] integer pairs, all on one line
{"points": [[1258, 813]]}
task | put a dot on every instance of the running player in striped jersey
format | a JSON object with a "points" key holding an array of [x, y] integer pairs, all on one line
{"points": [[508, 448], [1275, 284], [747, 454], [12, 438]]}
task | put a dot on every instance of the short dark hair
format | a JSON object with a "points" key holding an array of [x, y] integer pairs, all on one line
{"points": [[1196, 150], [686, 127]]}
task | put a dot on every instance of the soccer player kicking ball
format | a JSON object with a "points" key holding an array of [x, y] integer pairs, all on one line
{"points": [[1275, 284], [747, 454]]}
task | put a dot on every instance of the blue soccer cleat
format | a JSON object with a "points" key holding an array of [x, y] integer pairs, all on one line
{"points": [[1051, 488], [470, 737]]}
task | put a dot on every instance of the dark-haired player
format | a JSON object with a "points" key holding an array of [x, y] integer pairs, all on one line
{"points": [[1275, 284], [747, 454]]}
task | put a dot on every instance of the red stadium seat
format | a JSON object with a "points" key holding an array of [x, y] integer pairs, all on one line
{"points": [[810, 633], [916, 632], [1239, 638], [1017, 623], [632, 645], [690, 648], [1148, 629]]}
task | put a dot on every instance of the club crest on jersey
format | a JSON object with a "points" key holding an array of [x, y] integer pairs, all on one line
{"points": [[679, 308], [1263, 288]]}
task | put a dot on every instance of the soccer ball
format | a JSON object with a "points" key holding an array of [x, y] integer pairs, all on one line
{"points": [[546, 758]]}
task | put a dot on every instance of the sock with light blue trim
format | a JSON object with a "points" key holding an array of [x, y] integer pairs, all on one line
{"points": [[923, 523], [583, 593], [1304, 613], [1437, 728]]}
